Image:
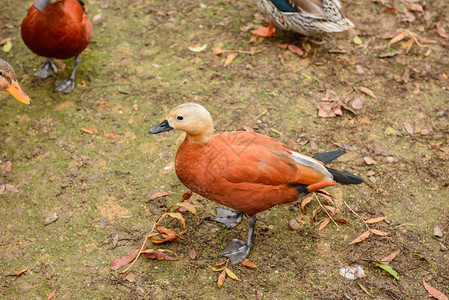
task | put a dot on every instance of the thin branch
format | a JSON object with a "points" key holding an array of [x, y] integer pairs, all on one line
{"points": [[366, 224], [332, 219]]}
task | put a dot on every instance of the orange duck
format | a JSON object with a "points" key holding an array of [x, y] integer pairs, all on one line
{"points": [[57, 29], [245, 171], [8, 82]]}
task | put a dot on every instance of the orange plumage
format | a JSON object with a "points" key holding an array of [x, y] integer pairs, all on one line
{"points": [[61, 30], [246, 171]]}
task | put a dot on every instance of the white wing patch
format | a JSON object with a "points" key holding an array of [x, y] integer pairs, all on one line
{"points": [[310, 162]]}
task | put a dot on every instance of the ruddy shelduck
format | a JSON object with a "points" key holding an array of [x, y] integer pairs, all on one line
{"points": [[245, 171], [57, 29], [8, 82]]}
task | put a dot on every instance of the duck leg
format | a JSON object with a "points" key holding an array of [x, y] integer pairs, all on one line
{"points": [[67, 85], [238, 250], [229, 217], [47, 69], [265, 31]]}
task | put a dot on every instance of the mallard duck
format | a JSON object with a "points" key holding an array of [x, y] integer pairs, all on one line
{"points": [[8, 82], [245, 171], [57, 29], [306, 17]]}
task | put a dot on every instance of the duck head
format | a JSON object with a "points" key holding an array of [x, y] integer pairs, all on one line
{"points": [[8, 82], [192, 118]]}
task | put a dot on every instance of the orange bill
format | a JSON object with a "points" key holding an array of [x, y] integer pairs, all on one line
{"points": [[18, 93]]}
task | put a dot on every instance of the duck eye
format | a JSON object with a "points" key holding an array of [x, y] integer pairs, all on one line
{"points": [[180, 118]]}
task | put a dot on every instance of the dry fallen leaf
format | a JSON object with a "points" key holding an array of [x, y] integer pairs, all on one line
{"points": [[387, 259], [230, 58], [259, 295], [20, 272], [51, 295], [360, 238], [156, 195], [416, 7], [189, 207], [375, 220], [221, 278], [323, 224], [158, 254], [305, 202], [130, 277], [249, 264], [296, 50], [5, 168], [441, 31], [408, 127], [367, 91], [369, 161], [198, 48], [231, 274], [379, 233], [124, 260], [434, 292], [192, 254], [378, 150], [112, 137], [358, 102]]}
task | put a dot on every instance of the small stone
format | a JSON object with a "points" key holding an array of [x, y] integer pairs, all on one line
{"points": [[51, 219], [438, 232]]}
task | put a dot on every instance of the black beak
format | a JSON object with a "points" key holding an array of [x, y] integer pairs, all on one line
{"points": [[161, 127], [40, 4]]}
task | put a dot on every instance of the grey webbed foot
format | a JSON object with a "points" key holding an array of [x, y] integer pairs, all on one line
{"points": [[229, 217], [46, 70], [236, 251], [65, 86]]}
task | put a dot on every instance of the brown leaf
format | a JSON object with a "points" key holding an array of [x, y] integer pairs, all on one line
{"points": [[359, 69], [221, 278], [387, 259], [305, 202], [379, 233], [398, 37], [112, 137], [115, 241], [369, 161], [230, 58], [124, 260], [179, 217], [294, 224], [281, 58], [218, 51], [329, 110], [6, 168], [87, 130], [441, 31], [156, 195], [378, 150], [367, 91], [130, 277], [358, 102], [215, 269], [20, 272], [231, 274], [408, 127], [375, 220], [332, 209], [158, 254], [415, 7], [51, 295], [323, 224], [192, 254], [360, 238], [342, 220], [406, 75], [296, 50], [249, 264], [168, 235], [434, 292], [189, 207]]}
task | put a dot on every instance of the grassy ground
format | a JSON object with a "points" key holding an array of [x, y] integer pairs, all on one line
{"points": [[137, 68]]}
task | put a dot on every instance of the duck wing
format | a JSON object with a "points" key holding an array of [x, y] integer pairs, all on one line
{"points": [[255, 158]]}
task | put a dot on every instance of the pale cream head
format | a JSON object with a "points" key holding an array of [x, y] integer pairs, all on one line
{"points": [[194, 119]]}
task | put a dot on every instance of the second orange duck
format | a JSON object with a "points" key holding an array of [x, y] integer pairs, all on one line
{"points": [[57, 29], [245, 171]]}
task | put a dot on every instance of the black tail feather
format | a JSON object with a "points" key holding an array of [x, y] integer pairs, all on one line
{"points": [[328, 157], [343, 177]]}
